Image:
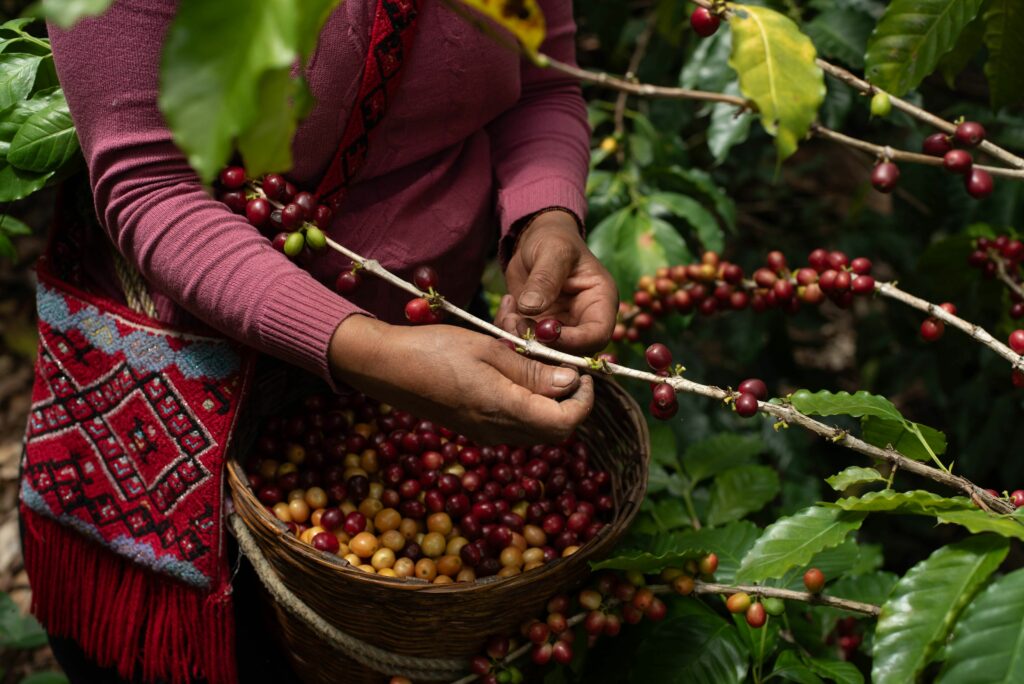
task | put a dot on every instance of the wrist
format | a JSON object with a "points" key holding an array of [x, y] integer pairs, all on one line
{"points": [[554, 220], [353, 347]]}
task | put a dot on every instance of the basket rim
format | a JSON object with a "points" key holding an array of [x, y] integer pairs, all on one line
{"points": [[252, 512]]}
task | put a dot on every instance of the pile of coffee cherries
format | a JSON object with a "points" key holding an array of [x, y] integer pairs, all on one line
{"points": [[402, 497], [714, 285]]}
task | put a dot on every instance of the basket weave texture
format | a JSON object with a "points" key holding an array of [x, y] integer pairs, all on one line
{"points": [[409, 617]]}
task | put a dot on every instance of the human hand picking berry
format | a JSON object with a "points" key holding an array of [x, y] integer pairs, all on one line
{"points": [[553, 274]]}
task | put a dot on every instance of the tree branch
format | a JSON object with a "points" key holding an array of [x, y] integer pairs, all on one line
{"points": [[642, 41]]}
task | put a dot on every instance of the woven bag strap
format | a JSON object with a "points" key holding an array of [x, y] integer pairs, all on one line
{"points": [[136, 294], [371, 656]]}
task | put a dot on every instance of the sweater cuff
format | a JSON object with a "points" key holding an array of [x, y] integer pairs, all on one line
{"points": [[519, 202], [299, 318]]}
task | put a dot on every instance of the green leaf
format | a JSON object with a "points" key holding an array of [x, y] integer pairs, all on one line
{"points": [[900, 436], [14, 116], [776, 68], [854, 475], [17, 75], [988, 641], [631, 244], [663, 445], [825, 403], [46, 140], [742, 490], [841, 34], [730, 543], [45, 678], [7, 249], [708, 67], [13, 226], [911, 37], [792, 541], [1004, 38], [691, 211], [957, 59], [694, 648], [223, 78], [719, 453], [789, 666], [16, 184], [978, 521], [728, 127], [924, 605], [838, 671], [915, 502], [66, 13], [701, 180], [18, 631]]}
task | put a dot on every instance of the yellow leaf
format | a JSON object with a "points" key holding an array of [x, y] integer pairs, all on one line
{"points": [[522, 18]]}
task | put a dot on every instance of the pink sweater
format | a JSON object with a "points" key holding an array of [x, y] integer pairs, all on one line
{"points": [[475, 140]]}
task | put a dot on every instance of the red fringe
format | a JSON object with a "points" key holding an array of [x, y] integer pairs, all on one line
{"points": [[123, 615]]}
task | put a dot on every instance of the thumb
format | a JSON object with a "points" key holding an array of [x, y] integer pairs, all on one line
{"points": [[538, 378], [549, 272]]}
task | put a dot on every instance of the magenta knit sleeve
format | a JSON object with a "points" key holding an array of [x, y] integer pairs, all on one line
{"points": [[186, 244], [541, 146]]}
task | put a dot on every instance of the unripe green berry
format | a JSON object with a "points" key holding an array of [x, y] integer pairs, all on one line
{"points": [[315, 238], [774, 606], [294, 244], [881, 105]]}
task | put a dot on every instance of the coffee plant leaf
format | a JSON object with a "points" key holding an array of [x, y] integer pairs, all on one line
{"points": [[7, 249], [841, 34], [521, 18], [18, 631], [1004, 39], [222, 79], [701, 181], [790, 667], [904, 436], [740, 491], [777, 71], [13, 226], [872, 587], [716, 454], [694, 647], [793, 541], [703, 222], [910, 39], [852, 476], [914, 502], [66, 13], [988, 640], [760, 642], [857, 405], [967, 46], [925, 603], [728, 127], [16, 184], [834, 562], [11, 118], [978, 521], [708, 67], [730, 542], [47, 140], [45, 678], [17, 77], [838, 671]]}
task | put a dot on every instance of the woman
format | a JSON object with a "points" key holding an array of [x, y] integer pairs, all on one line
{"points": [[475, 146]]}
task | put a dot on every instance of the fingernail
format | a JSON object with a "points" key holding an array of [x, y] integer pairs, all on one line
{"points": [[506, 301], [563, 377], [531, 300]]}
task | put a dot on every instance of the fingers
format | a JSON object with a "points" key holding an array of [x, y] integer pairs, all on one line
{"points": [[554, 421], [533, 376], [554, 262], [507, 318]]}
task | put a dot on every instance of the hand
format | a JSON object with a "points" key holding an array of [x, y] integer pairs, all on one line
{"points": [[553, 274], [463, 380]]}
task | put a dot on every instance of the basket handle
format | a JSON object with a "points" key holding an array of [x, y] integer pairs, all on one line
{"points": [[378, 659]]}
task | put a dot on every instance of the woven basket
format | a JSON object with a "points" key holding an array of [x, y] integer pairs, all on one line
{"points": [[340, 624]]}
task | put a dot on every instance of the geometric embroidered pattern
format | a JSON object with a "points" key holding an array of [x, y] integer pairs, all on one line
{"points": [[126, 437]]}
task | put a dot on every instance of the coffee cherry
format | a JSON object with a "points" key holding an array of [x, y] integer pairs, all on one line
{"points": [[294, 244], [663, 412], [814, 580], [746, 405], [683, 585], [235, 199], [885, 176], [862, 285], [327, 542], [703, 22], [708, 564], [1016, 341], [1017, 496], [969, 133], [497, 647], [548, 330], [664, 396], [881, 105], [561, 652], [347, 282], [418, 312], [424, 277], [540, 654], [756, 387], [756, 615], [658, 356], [232, 177], [274, 186], [948, 307], [480, 665], [861, 266], [656, 611], [978, 183], [774, 606], [291, 216], [315, 238], [932, 329], [957, 161], [936, 145], [738, 602], [1017, 378], [257, 211], [279, 241]]}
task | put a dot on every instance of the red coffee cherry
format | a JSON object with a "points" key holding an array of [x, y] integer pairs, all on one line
{"points": [[814, 580], [703, 22], [738, 602], [885, 176], [257, 211], [969, 133], [932, 329], [754, 386], [347, 282], [232, 177], [418, 311], [1016, 341], [746, 405], [957, 161], [424, 277], [978, 183], [756, 615], [936, 145], [658, 356], [548, 330]]}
